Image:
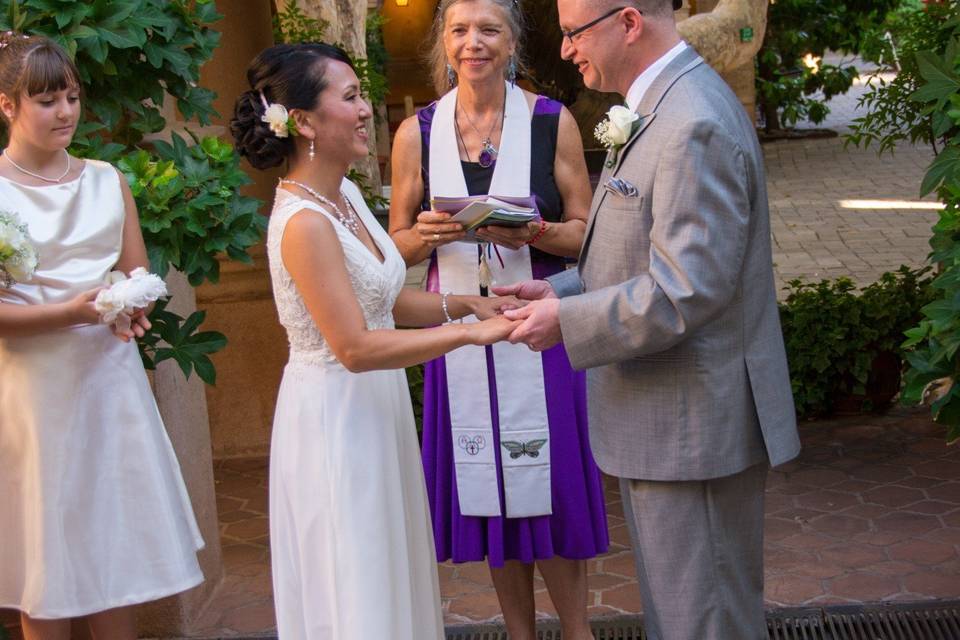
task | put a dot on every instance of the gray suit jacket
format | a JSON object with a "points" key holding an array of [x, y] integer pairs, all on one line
{"points": [[673, 305]]}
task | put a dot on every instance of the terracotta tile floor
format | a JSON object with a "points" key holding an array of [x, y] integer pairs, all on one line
{"points": [[870, 512]]}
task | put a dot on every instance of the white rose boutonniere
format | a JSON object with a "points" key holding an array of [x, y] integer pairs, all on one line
{"points": [[614, 132]]}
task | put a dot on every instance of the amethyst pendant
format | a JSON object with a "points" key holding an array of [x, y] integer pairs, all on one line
{"points": [[488, 154]]}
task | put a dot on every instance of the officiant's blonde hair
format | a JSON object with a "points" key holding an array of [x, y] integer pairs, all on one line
{"points": [[437, 56]]}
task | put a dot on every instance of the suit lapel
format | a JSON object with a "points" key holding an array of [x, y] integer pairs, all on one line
{"points": [[686, 61]]}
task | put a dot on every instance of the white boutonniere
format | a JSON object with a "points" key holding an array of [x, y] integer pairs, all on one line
{"points": [[614, 132], [18, 256]]}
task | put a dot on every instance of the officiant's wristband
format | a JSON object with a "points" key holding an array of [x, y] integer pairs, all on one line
{"points": [[539, 234]]}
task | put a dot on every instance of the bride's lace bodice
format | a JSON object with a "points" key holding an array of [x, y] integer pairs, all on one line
{"points": [[376, 285]]}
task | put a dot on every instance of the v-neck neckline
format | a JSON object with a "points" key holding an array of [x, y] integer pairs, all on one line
{"points": [[340, 224]]}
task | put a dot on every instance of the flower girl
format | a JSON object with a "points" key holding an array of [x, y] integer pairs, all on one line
{"points": [[96, 514]]}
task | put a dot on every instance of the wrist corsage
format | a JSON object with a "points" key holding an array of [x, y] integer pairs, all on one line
{"points": [[124, 296]]}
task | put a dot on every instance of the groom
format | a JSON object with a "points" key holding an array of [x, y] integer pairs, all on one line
{"points": [[673, 310]]}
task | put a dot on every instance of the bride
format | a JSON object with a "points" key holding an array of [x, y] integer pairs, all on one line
{"points": [[350, 536]]}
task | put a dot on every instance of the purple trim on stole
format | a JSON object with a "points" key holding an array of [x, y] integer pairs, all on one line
{"points": [[577, 528]]}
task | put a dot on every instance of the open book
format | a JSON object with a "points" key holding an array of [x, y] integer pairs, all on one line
{"points": [[474, 212]]}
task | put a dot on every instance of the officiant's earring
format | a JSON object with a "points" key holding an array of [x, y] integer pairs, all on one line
{"points": [[451, 76], [310, 153], [512, 71]]}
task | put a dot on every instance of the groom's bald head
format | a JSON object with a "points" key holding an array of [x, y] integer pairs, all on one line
{"points": [[649, 8]]}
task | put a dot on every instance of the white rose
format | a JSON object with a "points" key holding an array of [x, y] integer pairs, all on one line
{"points": [[621, 124], [23, 265], [276, 116], [10, 237]]}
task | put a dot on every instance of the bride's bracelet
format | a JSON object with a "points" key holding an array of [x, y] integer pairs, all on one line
{"points": [[443, 305]]}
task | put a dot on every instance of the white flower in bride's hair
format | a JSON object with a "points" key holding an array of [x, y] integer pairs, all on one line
{"points": [[276, 116]]}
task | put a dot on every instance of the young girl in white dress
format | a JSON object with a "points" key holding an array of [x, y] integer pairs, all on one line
{"points": [[96, 514], [350, 536]]}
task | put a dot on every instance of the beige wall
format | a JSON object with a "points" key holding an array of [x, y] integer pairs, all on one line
{"points": [[241, 304]]}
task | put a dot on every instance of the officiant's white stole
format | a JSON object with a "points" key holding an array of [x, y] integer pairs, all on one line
{"points": [[521, 399]]}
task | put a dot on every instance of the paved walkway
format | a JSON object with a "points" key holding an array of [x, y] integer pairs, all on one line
{"points": [[870, 512]]}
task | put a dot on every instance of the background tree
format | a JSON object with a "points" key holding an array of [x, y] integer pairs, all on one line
{"points": [[789, 90]]}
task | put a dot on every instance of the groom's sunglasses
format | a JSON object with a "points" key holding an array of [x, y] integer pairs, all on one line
{"points": [[573, 33]]}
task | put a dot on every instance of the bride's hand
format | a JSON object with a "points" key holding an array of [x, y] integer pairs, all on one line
{"points": [[491, 330], [495, 305]]}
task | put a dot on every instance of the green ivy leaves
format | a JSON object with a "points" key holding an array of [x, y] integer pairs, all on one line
{"points": [[935, 341], [191, 207], [176, 338]]}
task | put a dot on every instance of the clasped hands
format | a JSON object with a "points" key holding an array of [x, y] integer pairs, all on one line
{"points": [[533, 310]]}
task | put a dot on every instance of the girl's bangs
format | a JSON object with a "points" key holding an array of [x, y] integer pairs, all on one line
{"points": [[48, 69]]}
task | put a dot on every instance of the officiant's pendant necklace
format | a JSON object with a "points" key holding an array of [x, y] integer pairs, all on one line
{"points": [[488, 152]]}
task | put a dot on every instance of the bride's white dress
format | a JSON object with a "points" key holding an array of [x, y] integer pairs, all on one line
{"points": [[350, 536]]}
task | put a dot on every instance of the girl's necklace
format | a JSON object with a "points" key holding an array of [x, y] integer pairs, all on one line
{"points": [[488, 152], [349, 221], [37, 175]]}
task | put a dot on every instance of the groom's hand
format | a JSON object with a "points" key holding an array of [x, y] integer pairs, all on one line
{"points": [[527, 290], [540, 328]]}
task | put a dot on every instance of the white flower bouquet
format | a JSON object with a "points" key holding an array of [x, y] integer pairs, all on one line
{"points": [[124, 296], [18, 256]]}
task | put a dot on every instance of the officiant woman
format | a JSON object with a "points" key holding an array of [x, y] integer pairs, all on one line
{"points": [[510, 475]]}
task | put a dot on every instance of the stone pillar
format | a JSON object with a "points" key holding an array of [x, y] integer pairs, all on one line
{"points": [[199, 419], [184, 410], [346, 26], [714, 30], [241, 304]]}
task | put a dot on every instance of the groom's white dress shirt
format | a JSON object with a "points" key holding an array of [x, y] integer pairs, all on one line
{"points": [[645, 79]]}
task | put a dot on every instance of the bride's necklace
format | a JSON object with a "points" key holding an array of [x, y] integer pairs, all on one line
{"points": [[349, 221], [37, 175], [488, 152]]}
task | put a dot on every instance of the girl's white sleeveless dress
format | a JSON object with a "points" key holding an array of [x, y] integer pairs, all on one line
{"points": [[95, 512], [350, 535]]}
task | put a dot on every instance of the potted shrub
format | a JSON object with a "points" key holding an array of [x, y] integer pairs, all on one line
{"points": [[843, 344]]}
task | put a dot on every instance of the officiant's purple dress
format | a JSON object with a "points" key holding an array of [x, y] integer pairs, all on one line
{"points": [[577, 528]]}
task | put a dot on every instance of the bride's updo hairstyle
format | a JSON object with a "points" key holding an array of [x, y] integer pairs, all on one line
{"points": [[30, 65], [291, 75]]}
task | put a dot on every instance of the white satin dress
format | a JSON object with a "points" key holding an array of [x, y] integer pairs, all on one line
{"points": [[350, 537], [95, 513]]}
